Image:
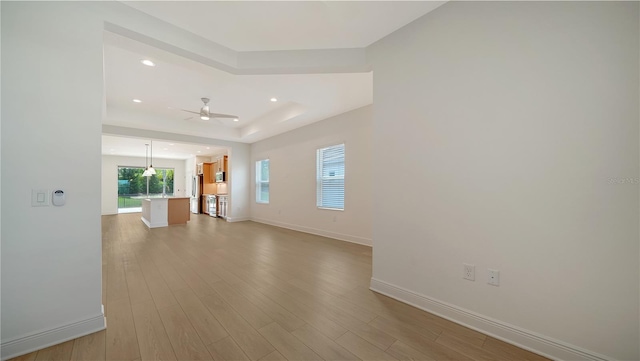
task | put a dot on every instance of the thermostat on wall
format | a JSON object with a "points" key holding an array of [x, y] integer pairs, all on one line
{"points": [[58, 198]]}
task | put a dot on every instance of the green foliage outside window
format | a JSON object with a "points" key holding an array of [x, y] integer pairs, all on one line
{"points": [[131, 183]]}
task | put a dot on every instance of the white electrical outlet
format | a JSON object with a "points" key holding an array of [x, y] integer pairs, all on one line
{"points": [[494, 277], [469, 272]]}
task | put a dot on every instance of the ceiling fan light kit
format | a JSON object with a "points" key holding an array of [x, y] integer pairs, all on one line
{"points": [[205, 114]]}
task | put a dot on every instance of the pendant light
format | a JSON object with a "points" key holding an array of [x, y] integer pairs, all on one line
{"points": [[150, 169], [146, 167]]}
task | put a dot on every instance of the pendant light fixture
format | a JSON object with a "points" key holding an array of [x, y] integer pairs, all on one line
{"points": [[150, 169], [146, 167]]}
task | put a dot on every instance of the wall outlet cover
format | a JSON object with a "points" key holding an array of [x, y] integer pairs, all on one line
{"points": [[493, 277], [469, 272]]}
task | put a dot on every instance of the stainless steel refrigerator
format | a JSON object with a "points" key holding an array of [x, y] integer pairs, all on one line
{"points": [[195, 194]]}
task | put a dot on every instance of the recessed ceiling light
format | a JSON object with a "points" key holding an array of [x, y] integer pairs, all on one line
{"points": [[198, 151], [171, 144], [147, 62], [235, 119], [274, 99], [165, 148], [208, 148], [137, 101]]}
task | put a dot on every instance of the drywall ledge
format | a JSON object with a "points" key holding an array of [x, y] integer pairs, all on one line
{"points": [[528, 340], [40, 340], [319, 232]]}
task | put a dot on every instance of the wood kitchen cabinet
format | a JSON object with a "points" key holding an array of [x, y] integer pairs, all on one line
{"points": [[203, 200], [219, 166], [214, 169], [223, 164], [206, 173], [206, 170]]}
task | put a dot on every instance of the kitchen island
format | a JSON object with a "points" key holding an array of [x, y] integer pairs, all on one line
{"points": [[165, 211]]}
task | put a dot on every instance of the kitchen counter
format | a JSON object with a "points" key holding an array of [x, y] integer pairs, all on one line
{"points": [[162, 212]]}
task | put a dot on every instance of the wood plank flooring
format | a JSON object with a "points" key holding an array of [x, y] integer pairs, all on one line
{"points": [[212, 290]]}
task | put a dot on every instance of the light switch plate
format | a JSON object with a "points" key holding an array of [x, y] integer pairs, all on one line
{"points": [[40, 198]]}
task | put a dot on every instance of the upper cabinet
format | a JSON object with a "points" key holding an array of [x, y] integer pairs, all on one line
{"points": [[206, 173], [222, 164]]}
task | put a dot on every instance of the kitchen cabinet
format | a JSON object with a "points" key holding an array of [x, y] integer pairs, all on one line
{"points": [[206, 173], [214, 170], [221, 164], [165, 211], [203, 200], [224, 164], [178, 212], [222, 206], [207, 170]]}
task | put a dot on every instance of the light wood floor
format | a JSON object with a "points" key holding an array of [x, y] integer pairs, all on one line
{"points": [[213, 290]]}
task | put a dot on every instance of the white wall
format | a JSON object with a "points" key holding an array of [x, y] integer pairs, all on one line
{"points": [[51, 256], [52, 60], [512, 128], [110, 164], [292, 161]]}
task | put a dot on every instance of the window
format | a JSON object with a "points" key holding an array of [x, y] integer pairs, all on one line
{"points": [[330, 177], [262, 181], [133, 187]]}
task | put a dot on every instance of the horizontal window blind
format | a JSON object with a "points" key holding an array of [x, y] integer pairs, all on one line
{"points": [[262, 181], [330, 177]]}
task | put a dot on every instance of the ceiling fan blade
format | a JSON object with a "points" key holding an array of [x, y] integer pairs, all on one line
{"points": [[189, 111], [216, 115]]}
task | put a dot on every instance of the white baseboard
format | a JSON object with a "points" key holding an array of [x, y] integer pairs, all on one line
{"points": [[528, 340], [154, 225], [39, 340], [320, 232], [237, 219]]}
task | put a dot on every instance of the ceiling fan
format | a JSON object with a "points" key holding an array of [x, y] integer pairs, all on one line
{"points": [[205, 114]]}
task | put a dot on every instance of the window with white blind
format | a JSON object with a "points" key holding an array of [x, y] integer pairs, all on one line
{"points": [[330, 177], [262, 181]]}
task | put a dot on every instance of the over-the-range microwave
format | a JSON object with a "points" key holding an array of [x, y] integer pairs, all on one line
{"points": [[221, 177]]}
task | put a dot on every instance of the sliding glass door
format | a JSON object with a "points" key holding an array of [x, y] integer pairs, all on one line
{"points": [[133, 187]]}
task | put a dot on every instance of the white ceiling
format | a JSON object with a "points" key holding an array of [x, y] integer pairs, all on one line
{"points": [[178, 83], [134, 147], [288, 25]]}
